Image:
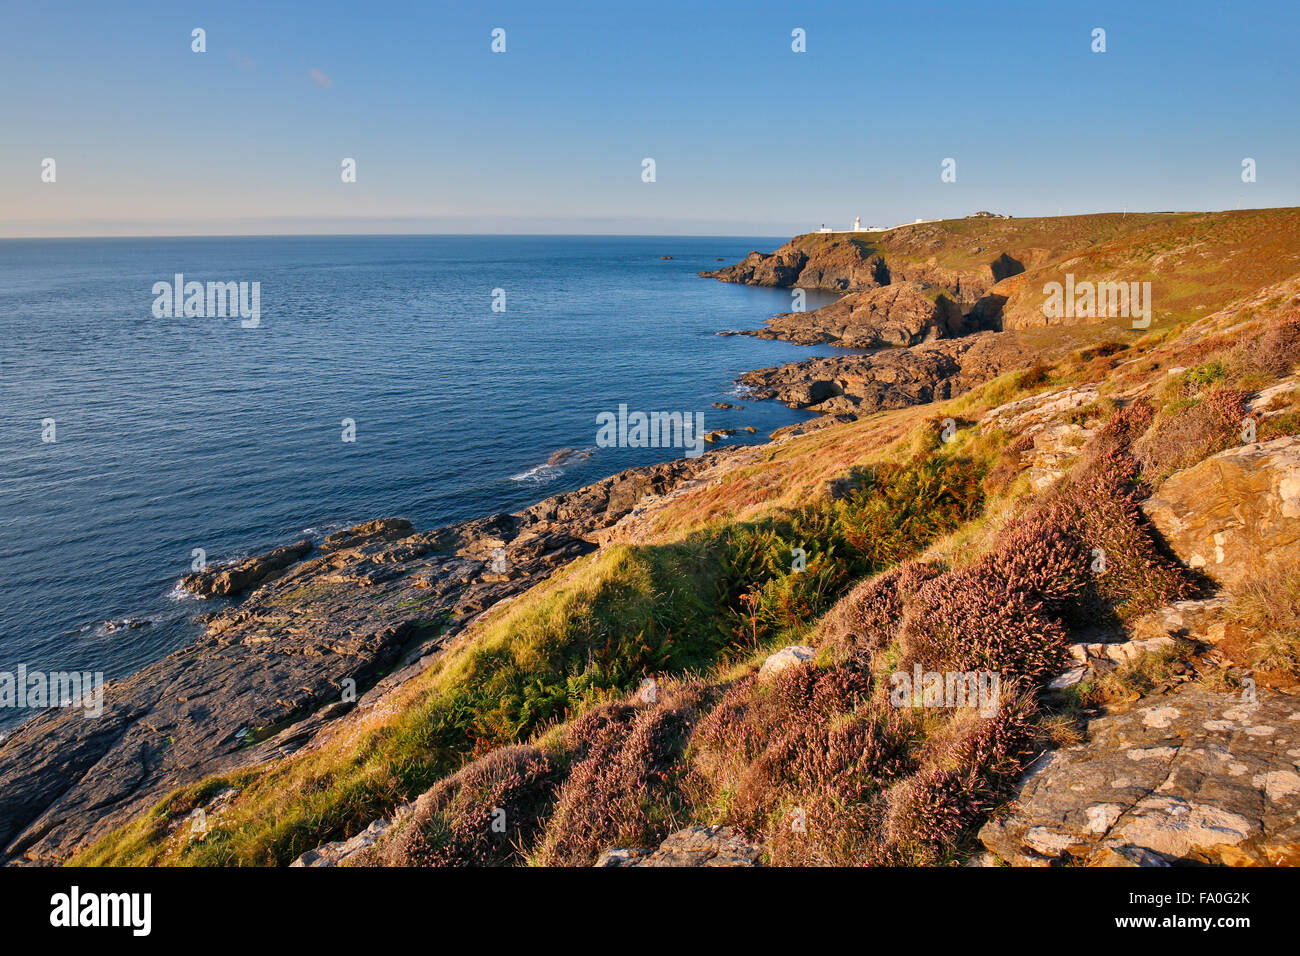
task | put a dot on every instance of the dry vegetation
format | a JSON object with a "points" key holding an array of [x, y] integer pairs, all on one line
{"points": [[941, 556]]}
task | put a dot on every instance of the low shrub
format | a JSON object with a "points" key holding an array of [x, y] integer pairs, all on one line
{"points": [[927, 814], [1129, 422], [1190, 431], [486, 814], [904, 507], [1275, 353], [1085, 552], [1038, 557], [967, 620], [797, 760], [626, 790], [1097, 508], [864, 621], [895, 511]]}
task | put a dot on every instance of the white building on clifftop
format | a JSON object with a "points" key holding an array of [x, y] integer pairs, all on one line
{"points": [[857, 227]]}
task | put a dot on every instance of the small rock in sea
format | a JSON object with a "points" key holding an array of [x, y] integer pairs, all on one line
{"points": [[665, 257], [130, 623], [726, 405], [566, 455], [751, 429]]}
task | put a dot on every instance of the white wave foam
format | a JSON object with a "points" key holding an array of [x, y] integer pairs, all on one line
{"points": [[539, 475]]}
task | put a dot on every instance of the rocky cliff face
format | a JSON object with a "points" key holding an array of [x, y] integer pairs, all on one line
{"points": [[841, 263], [902, 303], [997, 269], [810, 262], [894, 315], [890, 378]]}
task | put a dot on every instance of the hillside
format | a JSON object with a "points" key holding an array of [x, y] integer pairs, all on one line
{"points": [[699, 664], [1195, 261]]}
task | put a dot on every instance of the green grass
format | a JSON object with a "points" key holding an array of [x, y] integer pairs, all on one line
{"points": [[710, 594], [589, 634]]}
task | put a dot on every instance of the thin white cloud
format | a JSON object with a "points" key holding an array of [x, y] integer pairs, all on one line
{"points": [[322, 78]]}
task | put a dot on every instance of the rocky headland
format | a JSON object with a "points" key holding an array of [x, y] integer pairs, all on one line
{"points": [[942, 307]]}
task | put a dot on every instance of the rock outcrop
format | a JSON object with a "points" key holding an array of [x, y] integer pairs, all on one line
{"points": [[1057, 443], [1222, 515], [890, 378], [1195, 776], [1199, 621], [381, 529], [892, 315], [234, 579], [810, 262], [694, 846], [343, 851]]}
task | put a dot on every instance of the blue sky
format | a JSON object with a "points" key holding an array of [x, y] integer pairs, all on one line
{"points": [[748, 137]]}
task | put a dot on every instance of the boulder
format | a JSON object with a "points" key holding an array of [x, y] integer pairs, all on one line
{"points": [[233, 579], [694, 846], [1223, 514], [337, 854], [786, 657]]}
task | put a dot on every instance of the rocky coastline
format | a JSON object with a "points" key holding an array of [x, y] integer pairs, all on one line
{"points": [[316, 630], [928, 331], [313, 629]]}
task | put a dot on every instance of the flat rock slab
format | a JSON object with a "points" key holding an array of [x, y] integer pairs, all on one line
{"points": [[1194, 776]]}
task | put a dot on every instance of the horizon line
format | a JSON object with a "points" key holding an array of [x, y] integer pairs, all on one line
{"points": [[647, 235]]}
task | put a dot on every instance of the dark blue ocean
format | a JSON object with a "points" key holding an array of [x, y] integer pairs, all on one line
{"points": [[180, 433]]}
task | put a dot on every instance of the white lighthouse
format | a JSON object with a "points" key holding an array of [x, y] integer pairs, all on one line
{"points": [[857, 223]]}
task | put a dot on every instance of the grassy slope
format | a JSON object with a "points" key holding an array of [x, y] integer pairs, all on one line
{"points": [[589, 632], [1196, 262], [585, 636]]}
